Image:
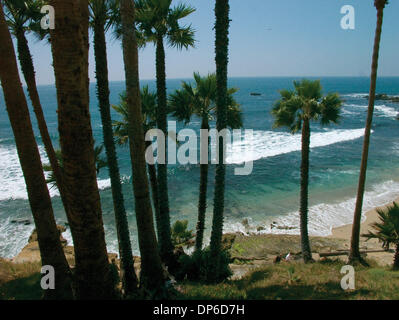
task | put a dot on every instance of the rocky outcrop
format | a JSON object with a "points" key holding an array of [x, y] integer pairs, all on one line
{"points": [[31, 252]]}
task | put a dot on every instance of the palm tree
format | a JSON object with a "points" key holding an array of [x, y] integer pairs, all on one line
{"points": [[296, 110], [387, 230], [48, 236], [201, 102], [70, 45], [222, 9], [22, 17], [354, 255], [100, 164], [121, 133], [158, 21], [100, 21], [151, 276]]}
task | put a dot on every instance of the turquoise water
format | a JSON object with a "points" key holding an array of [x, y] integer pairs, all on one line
{"points": [[269, 194]]}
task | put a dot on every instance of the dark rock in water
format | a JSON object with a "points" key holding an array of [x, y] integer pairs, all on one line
{"points": [[255, 94], [384, 97], [275, 226], [260, 228], [61, 229], [25, 222], [245, 223]]}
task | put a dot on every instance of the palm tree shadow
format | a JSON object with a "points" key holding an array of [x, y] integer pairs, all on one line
{"points": [[326, 291], [27, 288]]}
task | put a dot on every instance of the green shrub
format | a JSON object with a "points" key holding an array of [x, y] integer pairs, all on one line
{"points": [[197, 266], [180, 235]]}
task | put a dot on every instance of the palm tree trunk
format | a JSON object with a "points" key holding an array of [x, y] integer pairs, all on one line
{"points": [[25, 59], [129, 278], [396, 258], [354, 255], [306, 252], [70, 56], [222, 9], [151, 276], [152, 172], [202, 197], [51, 251], [165, 240]]}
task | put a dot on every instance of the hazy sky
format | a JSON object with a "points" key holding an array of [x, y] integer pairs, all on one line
{"points": [[267, 38]]}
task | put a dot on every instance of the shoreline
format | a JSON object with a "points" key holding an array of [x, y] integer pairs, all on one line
{"points": [[345, 231]]}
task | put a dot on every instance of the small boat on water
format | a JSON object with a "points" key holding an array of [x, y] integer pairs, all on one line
{"points": [[255, 94]]}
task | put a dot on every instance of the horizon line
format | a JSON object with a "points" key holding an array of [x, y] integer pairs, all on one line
{"points": [[241, 77]]}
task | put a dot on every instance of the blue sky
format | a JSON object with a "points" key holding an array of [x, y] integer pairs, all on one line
{"points": [[267, 38]]}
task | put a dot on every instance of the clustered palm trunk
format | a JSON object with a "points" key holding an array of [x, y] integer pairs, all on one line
{"points": [[151, 276], [305, 244], [204, 167], [125, 249], [221, 46], [165, 240], [70, 57], [28, 71], [354, 255], [39, 198]]}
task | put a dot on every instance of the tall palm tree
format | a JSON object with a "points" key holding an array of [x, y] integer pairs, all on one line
{"points": [[121, 133], [295, 110], [354, 255], [23, 16], [201, 102], [151, 276], [100, 21], [70, 45], [159, 22], [39, 198], [387, 230], [222, 9]]}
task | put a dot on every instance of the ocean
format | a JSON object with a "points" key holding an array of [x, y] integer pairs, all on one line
{"points": [[254, 202]]}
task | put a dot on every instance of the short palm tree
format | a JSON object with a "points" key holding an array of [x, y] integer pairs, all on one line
{"points": [[158, 22], [354, 255], [101, 163], [121, 129], [295, 110], [200, 101], [387, 230]]}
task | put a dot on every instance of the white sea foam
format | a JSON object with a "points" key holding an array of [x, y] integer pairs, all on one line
{"points": [[323, 217], [380, 110], [12, 183], [264, 144], [13, 237], [356, 95]]}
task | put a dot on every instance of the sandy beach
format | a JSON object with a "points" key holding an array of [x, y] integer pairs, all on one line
{"points": [[344, 232]]}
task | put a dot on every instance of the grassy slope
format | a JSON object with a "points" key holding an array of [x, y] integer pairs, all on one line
{"points": [[297, 281], [264, 280]]}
